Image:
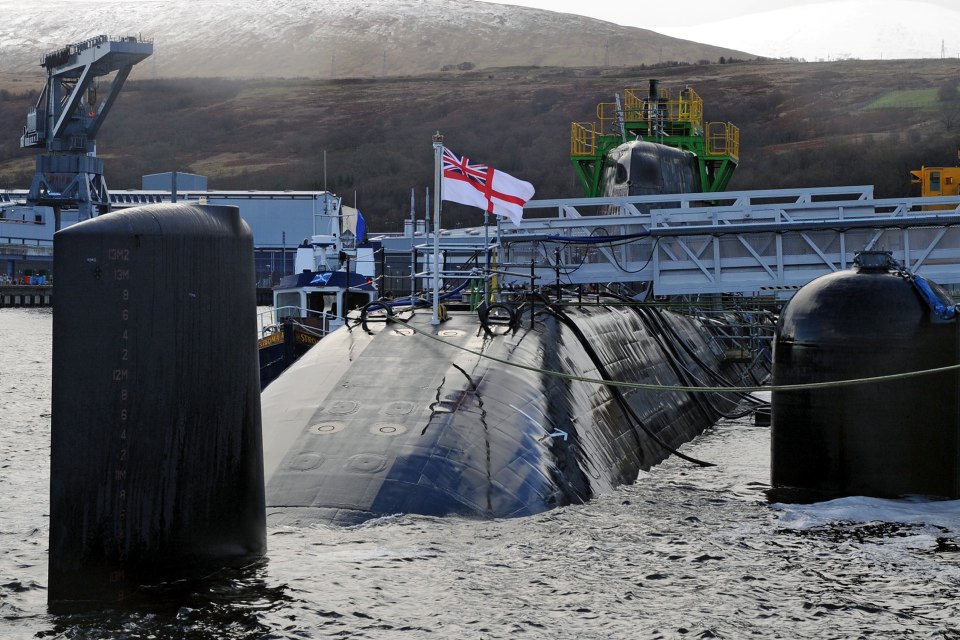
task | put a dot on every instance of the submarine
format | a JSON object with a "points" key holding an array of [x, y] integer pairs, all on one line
{"points": [[534, 400], [548, 403], [639, 168]]}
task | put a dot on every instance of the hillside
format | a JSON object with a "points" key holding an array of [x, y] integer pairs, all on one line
{"points": [[802, 124], [333, 38]]}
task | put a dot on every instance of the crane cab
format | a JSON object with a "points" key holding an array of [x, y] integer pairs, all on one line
{"points": [[937, 181]]}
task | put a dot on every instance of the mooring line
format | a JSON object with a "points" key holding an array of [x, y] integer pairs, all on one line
{"points": [[656, 387]]}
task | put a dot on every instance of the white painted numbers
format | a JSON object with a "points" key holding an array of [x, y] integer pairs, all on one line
{"points": [[119, 260]]}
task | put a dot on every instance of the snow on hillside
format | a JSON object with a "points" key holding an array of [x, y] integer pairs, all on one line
{"points": [[332, 38]]}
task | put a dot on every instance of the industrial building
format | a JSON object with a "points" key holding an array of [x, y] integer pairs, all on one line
{"points": [[279, 220]]}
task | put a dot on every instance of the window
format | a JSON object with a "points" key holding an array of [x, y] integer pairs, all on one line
{"points": [[621, 174]]}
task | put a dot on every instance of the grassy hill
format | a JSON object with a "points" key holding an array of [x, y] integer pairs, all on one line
{"points": [[802, 124]]}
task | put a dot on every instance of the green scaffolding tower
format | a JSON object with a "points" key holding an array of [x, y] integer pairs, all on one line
{"points": [[655, 117]]}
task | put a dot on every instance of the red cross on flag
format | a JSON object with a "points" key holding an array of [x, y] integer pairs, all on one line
{"points": [[477, 185]]}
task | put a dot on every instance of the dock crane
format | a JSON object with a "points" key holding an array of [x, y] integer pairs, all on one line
{"points": [[67, 117]]}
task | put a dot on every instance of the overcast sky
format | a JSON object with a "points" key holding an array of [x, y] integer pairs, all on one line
{"points": [[634, 13], [809, 29]]}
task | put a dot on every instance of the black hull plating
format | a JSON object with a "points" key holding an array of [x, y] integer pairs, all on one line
{"points": [[390, 421], [156, 470]]}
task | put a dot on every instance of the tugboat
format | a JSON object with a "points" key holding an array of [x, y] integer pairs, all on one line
{"points": [[333, 275]]}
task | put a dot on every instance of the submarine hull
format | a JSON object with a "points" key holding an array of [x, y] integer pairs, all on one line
{"points": [[639, 168], [883, 438], [451, 420]]}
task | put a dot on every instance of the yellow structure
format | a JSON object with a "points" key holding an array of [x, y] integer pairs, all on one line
{"points": [[937, 181], [659, 116]]}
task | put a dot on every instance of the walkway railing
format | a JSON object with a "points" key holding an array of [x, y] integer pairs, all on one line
{"points": [[737, 242]]}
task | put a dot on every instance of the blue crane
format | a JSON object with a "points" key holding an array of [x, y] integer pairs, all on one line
{"points": [[67, 117]]}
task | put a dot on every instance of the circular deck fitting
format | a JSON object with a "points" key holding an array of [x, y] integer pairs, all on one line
{"points": [[450, 333], [343, 407], [398, 408], [306, 461], [326, 428], [404, 332], [366, 463], [387, 429]]}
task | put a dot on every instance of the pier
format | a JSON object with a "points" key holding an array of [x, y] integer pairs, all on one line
{"points": [[26, 295]]}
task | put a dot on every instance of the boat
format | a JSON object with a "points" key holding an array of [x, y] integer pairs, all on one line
{"points": [[540, 404], [333, 273]]}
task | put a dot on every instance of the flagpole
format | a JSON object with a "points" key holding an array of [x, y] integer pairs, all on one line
{"points": [[437, 163], [486, 252]]}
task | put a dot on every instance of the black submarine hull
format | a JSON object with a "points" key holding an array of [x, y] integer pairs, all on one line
{"points": [[451, 420], [639, 168], [156, 466]]}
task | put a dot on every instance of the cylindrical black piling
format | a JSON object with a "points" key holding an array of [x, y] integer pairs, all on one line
{"points": [[156, 453], [885, 438]]}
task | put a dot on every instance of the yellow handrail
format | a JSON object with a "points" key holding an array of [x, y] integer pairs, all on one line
{"points": [[583, 139], [723, 139], [688, 107]]}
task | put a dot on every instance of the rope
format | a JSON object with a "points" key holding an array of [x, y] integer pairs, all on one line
{"points": [[618, 394], [308, 329], [656, 387]]}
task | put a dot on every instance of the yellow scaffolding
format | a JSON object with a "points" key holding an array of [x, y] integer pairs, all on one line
{"points": [[723, 139], [687, 107], [583, 139]]}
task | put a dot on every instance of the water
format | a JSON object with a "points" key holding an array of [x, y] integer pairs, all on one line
{"points": [[687, 552]]}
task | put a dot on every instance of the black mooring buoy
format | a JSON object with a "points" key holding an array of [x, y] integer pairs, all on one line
{"points": [[883, 438], [156, 452]]}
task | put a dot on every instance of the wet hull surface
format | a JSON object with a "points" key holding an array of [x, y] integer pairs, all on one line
{"points": [[389, 420]]}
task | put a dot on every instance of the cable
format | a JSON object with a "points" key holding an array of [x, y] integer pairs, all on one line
{"points": [[617, 393], [658, 387], [612, 241], [681, 367], [678, 340]]}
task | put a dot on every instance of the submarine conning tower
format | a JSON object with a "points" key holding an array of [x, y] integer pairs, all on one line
{"points": [[156, 453], [709, 151], [886, 438]]}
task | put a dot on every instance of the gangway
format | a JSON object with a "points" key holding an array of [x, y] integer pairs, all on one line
{"points": [[747, 242]]}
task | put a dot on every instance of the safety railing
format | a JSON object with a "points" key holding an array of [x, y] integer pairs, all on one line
{"points": [[686, 108], [269, 321], [723, 139], [583, 139]]}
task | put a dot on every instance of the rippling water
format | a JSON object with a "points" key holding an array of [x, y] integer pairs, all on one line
{"points": [[687, 552]]}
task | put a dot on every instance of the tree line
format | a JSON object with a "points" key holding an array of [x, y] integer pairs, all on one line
{"points": [[801, 124]]}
